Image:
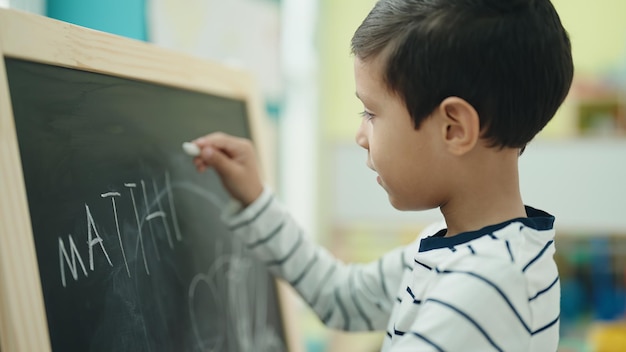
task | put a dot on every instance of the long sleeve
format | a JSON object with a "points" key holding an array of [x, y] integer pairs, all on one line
{"points": [[349, 297]]}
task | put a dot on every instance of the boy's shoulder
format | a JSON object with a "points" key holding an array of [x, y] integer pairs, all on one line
{"points": [[504, 280]]}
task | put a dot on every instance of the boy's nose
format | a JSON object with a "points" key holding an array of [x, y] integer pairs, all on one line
{"points": [[361, 136]]}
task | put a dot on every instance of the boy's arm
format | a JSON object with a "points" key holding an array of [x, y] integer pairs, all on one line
{"points": [[349, 297], [346, 297]]}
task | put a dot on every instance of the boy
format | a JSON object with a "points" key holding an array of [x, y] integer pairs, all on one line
{"points": [[452, 90]]}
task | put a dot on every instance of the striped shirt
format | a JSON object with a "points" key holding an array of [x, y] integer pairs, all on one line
{"points": [[496, 289]]}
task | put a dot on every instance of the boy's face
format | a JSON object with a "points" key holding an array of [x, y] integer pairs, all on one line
{"points": [[406, 160]]}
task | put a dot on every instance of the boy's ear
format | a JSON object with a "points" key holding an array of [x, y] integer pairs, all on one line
{"points": [[461, 125]]}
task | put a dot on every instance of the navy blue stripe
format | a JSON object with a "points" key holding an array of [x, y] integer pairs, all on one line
{"points": [[256, 216], [322, 283], [342, 309], [468, 318], [357, 304], [289, 254], [399, 299], [268, 237], [382, 276], [398, 332], [508, 248], [423, 338], [388, 334], [408, 289], [306, 270], [493, 237], [547, 326], [544, 290], [452, 249], [415, 301], [469, 246], [422, 264], [504, 297], [543, 250]]}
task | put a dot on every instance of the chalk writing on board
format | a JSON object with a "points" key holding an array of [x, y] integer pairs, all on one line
{"points": [[233, 290], [72, 265], [91, 230], [74, 257]]}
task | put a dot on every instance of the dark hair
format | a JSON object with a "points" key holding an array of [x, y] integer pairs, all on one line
{"points": [[510, 59]]}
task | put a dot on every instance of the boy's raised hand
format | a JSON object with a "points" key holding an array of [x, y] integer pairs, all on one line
{"points": [[235, 161]]}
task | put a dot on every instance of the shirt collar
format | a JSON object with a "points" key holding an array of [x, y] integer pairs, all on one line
{"points": [[536, 219]]}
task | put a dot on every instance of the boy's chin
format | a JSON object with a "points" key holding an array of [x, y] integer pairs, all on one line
{"points": [[405, 205], [400, 204]]}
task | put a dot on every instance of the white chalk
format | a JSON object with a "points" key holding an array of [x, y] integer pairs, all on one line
{"points": [[191, 149]]}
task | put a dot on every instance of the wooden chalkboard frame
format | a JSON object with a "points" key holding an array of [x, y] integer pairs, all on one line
{"points": [[23, 324]]}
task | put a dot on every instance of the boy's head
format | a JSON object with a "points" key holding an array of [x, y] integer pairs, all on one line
{"points": [[511, 60]]}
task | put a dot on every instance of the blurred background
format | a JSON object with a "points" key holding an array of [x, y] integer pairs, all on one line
{"points": [[299, 51]]}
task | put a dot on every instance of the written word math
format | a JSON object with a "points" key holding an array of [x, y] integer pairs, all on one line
{"points": [[156, 205]]}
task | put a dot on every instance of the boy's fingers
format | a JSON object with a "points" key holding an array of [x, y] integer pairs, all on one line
{"points": [[227, 144], [232, 158], [218, 160]]}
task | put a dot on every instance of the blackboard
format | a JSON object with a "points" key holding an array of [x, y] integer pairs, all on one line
{"points": [[130, 247]]}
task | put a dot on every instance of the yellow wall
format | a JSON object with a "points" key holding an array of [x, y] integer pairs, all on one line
{"points": [[339, 106], [597, 30]]}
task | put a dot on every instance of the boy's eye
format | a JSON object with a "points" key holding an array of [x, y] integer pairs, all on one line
{"points": [[368, 115]]}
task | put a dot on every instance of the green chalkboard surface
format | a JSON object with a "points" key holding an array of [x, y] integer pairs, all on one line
{"points": [[131, 251]]}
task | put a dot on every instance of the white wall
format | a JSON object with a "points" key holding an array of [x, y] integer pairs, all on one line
{"points": [[298, 127], [580, 181]]}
